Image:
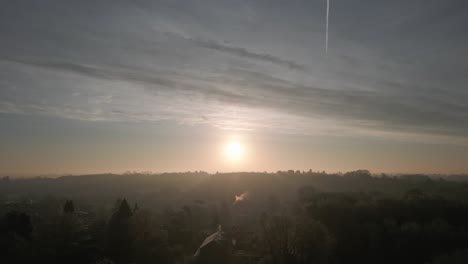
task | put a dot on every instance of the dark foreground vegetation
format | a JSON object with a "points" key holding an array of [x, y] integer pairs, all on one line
{"points": [[284, 217]]}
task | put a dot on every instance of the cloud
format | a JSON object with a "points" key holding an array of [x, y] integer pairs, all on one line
{"points": [[239, 51], [172, 63], [260, 101], [9, 108]]}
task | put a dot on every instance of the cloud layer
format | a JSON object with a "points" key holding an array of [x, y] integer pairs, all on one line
{"points": [[249, 66]]}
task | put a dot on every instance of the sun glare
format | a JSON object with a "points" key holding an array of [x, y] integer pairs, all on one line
{"points": [[234, 151]]}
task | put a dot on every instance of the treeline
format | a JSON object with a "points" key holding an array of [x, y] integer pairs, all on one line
{"points": [[286, 217], [153, 189]]}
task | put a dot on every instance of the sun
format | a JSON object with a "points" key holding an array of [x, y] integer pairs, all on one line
{"points": [[234, 151]]}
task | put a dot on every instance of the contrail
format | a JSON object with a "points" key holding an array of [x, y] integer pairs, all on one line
{"points": [[326, 34]]}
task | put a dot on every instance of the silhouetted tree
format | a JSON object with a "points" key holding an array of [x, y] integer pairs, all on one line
{"points": [[121, 234], [150, 244], [414, 194], [306, 194], [277, 236], [19, 224], [312, 241], [358, 175], [15, 236], [68, 208], [457, 257]]}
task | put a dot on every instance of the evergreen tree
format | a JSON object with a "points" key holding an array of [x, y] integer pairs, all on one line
{"points": [[68, 208], [124, 210], [120, 234]]}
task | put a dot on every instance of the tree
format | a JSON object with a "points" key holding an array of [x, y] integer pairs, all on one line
{"points": [[277, 235], [358, 175], [149, 244], [121, 234], [69, 208], [312, 241], [306, 194], [457, 257], [18, 224], [124, 210], [15, 236], [414, 194]]}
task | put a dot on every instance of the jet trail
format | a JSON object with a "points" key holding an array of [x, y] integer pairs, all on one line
{"points": [[326, 34]]}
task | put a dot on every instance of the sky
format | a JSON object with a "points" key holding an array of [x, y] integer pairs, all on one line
{"points": [[164, 85]]}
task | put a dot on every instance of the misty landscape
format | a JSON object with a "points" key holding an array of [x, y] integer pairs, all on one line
{"points": [[196, 217], [233, 131]]}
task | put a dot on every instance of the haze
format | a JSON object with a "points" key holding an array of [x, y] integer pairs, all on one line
{"points": [[114, 86]]}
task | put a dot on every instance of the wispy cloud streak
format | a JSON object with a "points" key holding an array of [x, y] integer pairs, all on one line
{"points": [[239, 51]]}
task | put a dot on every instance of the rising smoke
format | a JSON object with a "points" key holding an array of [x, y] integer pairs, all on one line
{"points": [[239, 198]]}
